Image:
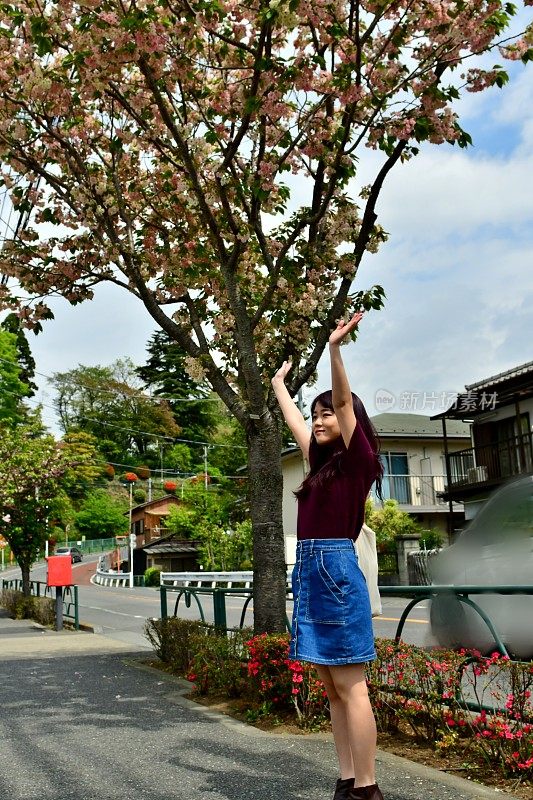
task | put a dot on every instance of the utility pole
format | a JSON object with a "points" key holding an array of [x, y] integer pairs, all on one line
{"points": [[131, 536]]}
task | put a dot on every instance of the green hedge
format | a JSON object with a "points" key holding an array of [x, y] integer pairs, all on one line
{"points": [[40, 609]]}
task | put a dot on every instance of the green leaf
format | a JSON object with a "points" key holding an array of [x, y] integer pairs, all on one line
{"points": [[49, 216], [252, 104], [211, 137], [501, 78]]}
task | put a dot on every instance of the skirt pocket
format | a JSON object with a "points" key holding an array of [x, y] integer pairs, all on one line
{"points": [[327, 583]]}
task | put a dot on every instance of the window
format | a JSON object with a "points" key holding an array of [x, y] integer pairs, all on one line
{"points": [[396, 484]]}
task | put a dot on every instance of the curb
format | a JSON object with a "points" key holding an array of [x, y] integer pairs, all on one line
{"points": [[88, 627], [477, 791]]}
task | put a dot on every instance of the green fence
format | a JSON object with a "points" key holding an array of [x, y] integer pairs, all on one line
{"points": [[40, 589], [415, 593], [90, 545]]}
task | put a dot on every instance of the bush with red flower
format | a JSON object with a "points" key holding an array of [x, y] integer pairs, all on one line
{"points": [[410, 690]]}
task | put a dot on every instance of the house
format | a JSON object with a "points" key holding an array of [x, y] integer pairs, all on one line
{"points": [[155, 547], [413, 454], [148, 519], [499, 410], [170, 553]]}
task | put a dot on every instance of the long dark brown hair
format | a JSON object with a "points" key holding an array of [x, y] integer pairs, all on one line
{"points": [[326, 458]]}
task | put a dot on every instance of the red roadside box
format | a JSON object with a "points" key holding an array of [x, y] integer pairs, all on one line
{"points": [[59, 571]]}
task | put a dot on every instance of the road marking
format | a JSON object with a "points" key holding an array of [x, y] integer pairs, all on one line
{"points": [[109, 611], [397, 619]]}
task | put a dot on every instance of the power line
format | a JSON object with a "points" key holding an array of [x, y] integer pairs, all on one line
{"points": [[156, 436], [135, 392]]}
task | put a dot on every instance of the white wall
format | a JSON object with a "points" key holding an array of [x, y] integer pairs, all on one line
{"points": [[507, 412], [424, 456]]}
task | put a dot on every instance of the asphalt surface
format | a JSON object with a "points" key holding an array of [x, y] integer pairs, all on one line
{"points": [[82, 717]]}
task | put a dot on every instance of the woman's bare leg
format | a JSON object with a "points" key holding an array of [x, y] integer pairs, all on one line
{"points": [[349, 685], [339, 723]]}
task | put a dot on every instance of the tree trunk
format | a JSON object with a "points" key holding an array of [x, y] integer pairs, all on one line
{"points": [[25, 571], [266, 490]]}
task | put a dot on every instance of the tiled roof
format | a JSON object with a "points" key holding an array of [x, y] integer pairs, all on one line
{"points": [[508, 375], [416, 425], [171, 544], [148, 503]]}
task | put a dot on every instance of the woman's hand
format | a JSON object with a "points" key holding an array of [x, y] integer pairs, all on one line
{"points": [[344, 328], [282, 372]]}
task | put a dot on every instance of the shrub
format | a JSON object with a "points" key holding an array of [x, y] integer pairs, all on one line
{"points": [[40, 609], [218, 662], [280, 683], [139, 495], [408, 687], [388, 522], [431, 540], [170, 639], [152, 576]]}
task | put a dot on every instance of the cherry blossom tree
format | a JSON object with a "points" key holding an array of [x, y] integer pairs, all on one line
{"points": [[165, 146], [33, 470]]}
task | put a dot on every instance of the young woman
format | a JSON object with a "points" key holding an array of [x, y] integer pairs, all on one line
{"points": [[332, 622]]}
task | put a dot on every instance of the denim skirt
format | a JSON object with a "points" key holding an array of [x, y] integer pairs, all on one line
{"points": [[332, 620]]}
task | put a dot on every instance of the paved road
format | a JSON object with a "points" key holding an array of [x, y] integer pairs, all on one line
{"points": [[80, 720], [122, 613]]}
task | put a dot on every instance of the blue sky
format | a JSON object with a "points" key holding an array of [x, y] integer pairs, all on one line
{"points": [[457, 269]]}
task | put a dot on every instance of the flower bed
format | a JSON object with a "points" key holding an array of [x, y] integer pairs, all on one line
{"points": [[428, 694]]}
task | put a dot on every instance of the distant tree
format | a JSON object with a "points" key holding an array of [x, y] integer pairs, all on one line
{"points": [[101, 516], [204, 516], [179, 458], [88, 463], [12, 388], [11, 324], [193, 403], [31, 470], [61, 516], [388, 522], [108, 403]]}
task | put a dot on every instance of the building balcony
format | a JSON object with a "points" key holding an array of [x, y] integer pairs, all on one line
{"points": [[491, 464], [417, 493]]}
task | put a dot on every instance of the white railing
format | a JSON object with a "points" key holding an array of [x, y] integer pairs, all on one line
{"points": [[105, 578], [415, 490], [213, 580]]}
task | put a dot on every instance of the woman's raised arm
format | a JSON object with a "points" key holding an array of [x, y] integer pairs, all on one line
{"points": [[292, 414], [340, 387]]}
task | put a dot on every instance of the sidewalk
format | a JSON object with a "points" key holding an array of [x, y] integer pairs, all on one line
{"points": [[82, 717]]}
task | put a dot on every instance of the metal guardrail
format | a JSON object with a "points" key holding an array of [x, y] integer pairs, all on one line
{"points": [[105, 578], [416, 593], [40, 589], [213, 580]]}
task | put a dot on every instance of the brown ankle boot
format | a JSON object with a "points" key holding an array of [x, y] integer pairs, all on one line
{"points": [[365, 793], [342, 788]]}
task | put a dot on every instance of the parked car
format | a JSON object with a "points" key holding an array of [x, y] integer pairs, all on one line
{"points": [[495, 548], [73, 552]]}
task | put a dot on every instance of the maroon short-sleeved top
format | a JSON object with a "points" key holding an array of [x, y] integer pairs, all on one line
{"points": [[337, 510]]}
